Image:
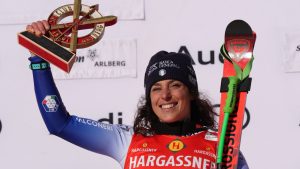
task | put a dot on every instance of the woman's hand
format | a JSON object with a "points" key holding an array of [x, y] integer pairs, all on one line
{"points": [[38, 28]]}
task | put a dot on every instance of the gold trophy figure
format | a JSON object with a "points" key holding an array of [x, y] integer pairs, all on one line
{"points": [[59, 47]]}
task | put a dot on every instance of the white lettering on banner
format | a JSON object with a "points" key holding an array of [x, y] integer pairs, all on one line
{"points": [[109, 59], [165, 161], [94, 123]]}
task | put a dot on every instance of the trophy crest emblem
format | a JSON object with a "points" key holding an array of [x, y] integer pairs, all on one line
{"points": [[61, 42]]}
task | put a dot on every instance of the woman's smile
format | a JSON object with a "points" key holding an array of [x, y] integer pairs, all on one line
{"points": [[170, 100]]}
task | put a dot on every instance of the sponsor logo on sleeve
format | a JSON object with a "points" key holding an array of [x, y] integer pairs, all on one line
{"points": [[50, 103]]}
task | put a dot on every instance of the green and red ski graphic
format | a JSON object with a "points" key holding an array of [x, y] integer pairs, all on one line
{"points": [[237, 52]]}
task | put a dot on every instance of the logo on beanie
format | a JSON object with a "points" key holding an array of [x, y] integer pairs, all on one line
{"points": [[168, 64], [162, 64], [152, 68], [162, 72]]}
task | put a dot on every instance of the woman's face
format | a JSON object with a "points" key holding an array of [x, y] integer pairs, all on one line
{"points": [[170, 100]]}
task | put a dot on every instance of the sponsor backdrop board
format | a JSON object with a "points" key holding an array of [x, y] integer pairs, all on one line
{"points": [[271, 138]]}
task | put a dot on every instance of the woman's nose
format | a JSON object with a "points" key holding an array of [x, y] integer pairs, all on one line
{"points": [[166, 94]]}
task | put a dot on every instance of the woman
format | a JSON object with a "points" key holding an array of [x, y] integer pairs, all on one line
{"points": [[170, 129]]}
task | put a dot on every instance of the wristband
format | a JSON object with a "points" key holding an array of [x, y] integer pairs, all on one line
{"points": [[39, 66]]}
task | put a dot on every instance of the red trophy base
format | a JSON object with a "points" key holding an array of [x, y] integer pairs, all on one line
{"points": [[48, 50]]}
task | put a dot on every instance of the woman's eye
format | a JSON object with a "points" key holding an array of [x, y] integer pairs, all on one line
{"points": [[155, 89], [175, 85]]}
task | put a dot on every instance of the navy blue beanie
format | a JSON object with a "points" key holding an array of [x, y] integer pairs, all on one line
{"points": [[170, 65]]}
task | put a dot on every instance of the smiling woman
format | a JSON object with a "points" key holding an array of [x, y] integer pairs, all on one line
{"points": [[172, 104], [171, 127]]}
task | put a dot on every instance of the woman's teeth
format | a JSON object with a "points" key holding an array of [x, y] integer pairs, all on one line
{"points": [[167, 106]]}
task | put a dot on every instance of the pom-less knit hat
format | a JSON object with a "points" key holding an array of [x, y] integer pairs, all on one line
{"points": [[164, 65]]}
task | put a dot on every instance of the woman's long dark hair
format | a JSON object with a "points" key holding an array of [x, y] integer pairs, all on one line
{"points": [[202, 114]]}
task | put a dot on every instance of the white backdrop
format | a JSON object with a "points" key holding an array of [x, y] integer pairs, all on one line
{"points": [[272, 138]]}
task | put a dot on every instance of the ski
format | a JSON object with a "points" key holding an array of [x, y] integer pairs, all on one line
{"points": [[237, 52]]}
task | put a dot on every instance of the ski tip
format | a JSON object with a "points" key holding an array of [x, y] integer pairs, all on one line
{"points": [[238, 27]]}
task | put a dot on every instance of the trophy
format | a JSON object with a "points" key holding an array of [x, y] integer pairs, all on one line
{"points": [[59, 45]]}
